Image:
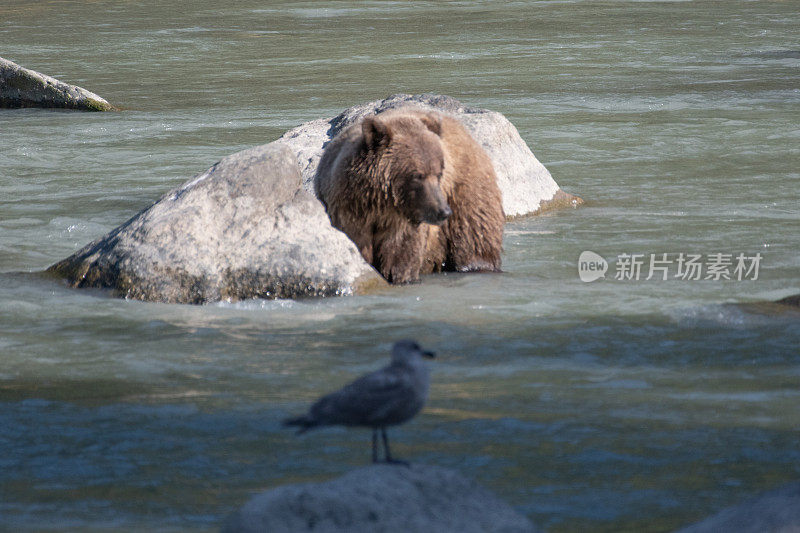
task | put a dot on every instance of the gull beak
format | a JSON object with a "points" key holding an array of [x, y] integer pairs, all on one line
{"points": [[429, 355]]}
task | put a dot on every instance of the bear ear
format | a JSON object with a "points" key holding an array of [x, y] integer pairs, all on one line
{"points": [[432, 122], [375, 131]]}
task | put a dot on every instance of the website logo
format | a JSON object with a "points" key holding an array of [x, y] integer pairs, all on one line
{"points": [[591, 266]]}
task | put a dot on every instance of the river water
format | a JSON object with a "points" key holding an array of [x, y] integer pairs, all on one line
{"points": [[617, 405]]}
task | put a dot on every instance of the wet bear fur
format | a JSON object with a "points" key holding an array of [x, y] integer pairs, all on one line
{"points": [[415, 192]]}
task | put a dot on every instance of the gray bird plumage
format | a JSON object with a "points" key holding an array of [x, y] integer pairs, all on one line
{"points": [[386, 397]]}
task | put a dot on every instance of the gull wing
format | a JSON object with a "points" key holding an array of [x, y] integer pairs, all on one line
{"points": [[379, 398]]}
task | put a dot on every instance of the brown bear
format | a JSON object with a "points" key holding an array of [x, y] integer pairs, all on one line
{"points": [[415, 192]]}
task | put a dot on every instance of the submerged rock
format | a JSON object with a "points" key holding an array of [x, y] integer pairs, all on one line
{"points": [[22, 87], [242, 229], [386, 498], [526, 185], [775, 511]]}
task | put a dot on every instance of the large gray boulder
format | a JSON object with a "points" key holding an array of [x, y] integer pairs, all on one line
{"points": [[776, 511], [22, 87], [526, 185], [249, 227], [381, 498], [244, 228]]}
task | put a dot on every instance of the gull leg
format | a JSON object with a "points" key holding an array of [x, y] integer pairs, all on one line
{"points": [[388, 453]]}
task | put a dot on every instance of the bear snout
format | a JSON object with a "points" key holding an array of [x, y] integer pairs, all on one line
{"points": [[437, 215], [443, 214]]}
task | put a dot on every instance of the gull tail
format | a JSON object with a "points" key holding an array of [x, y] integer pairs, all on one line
{"points": [[304, 422]]}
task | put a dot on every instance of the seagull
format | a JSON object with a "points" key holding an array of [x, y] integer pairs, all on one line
{"points": [[387, 397]]}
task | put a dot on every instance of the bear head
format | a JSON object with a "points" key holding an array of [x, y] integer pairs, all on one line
{"points": [[411, 161]]}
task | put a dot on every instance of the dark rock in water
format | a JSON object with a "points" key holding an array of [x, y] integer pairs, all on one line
{"points": [[776, 54], [242, 229], [793, 300], [526, 185], [22, 87], [776, 511], [381, 498]]}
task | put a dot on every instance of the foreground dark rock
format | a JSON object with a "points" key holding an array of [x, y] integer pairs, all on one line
{"points": [[242, 229], [387, 498], [22, 87], [776, 511], [526, 185], [793, 300]]}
